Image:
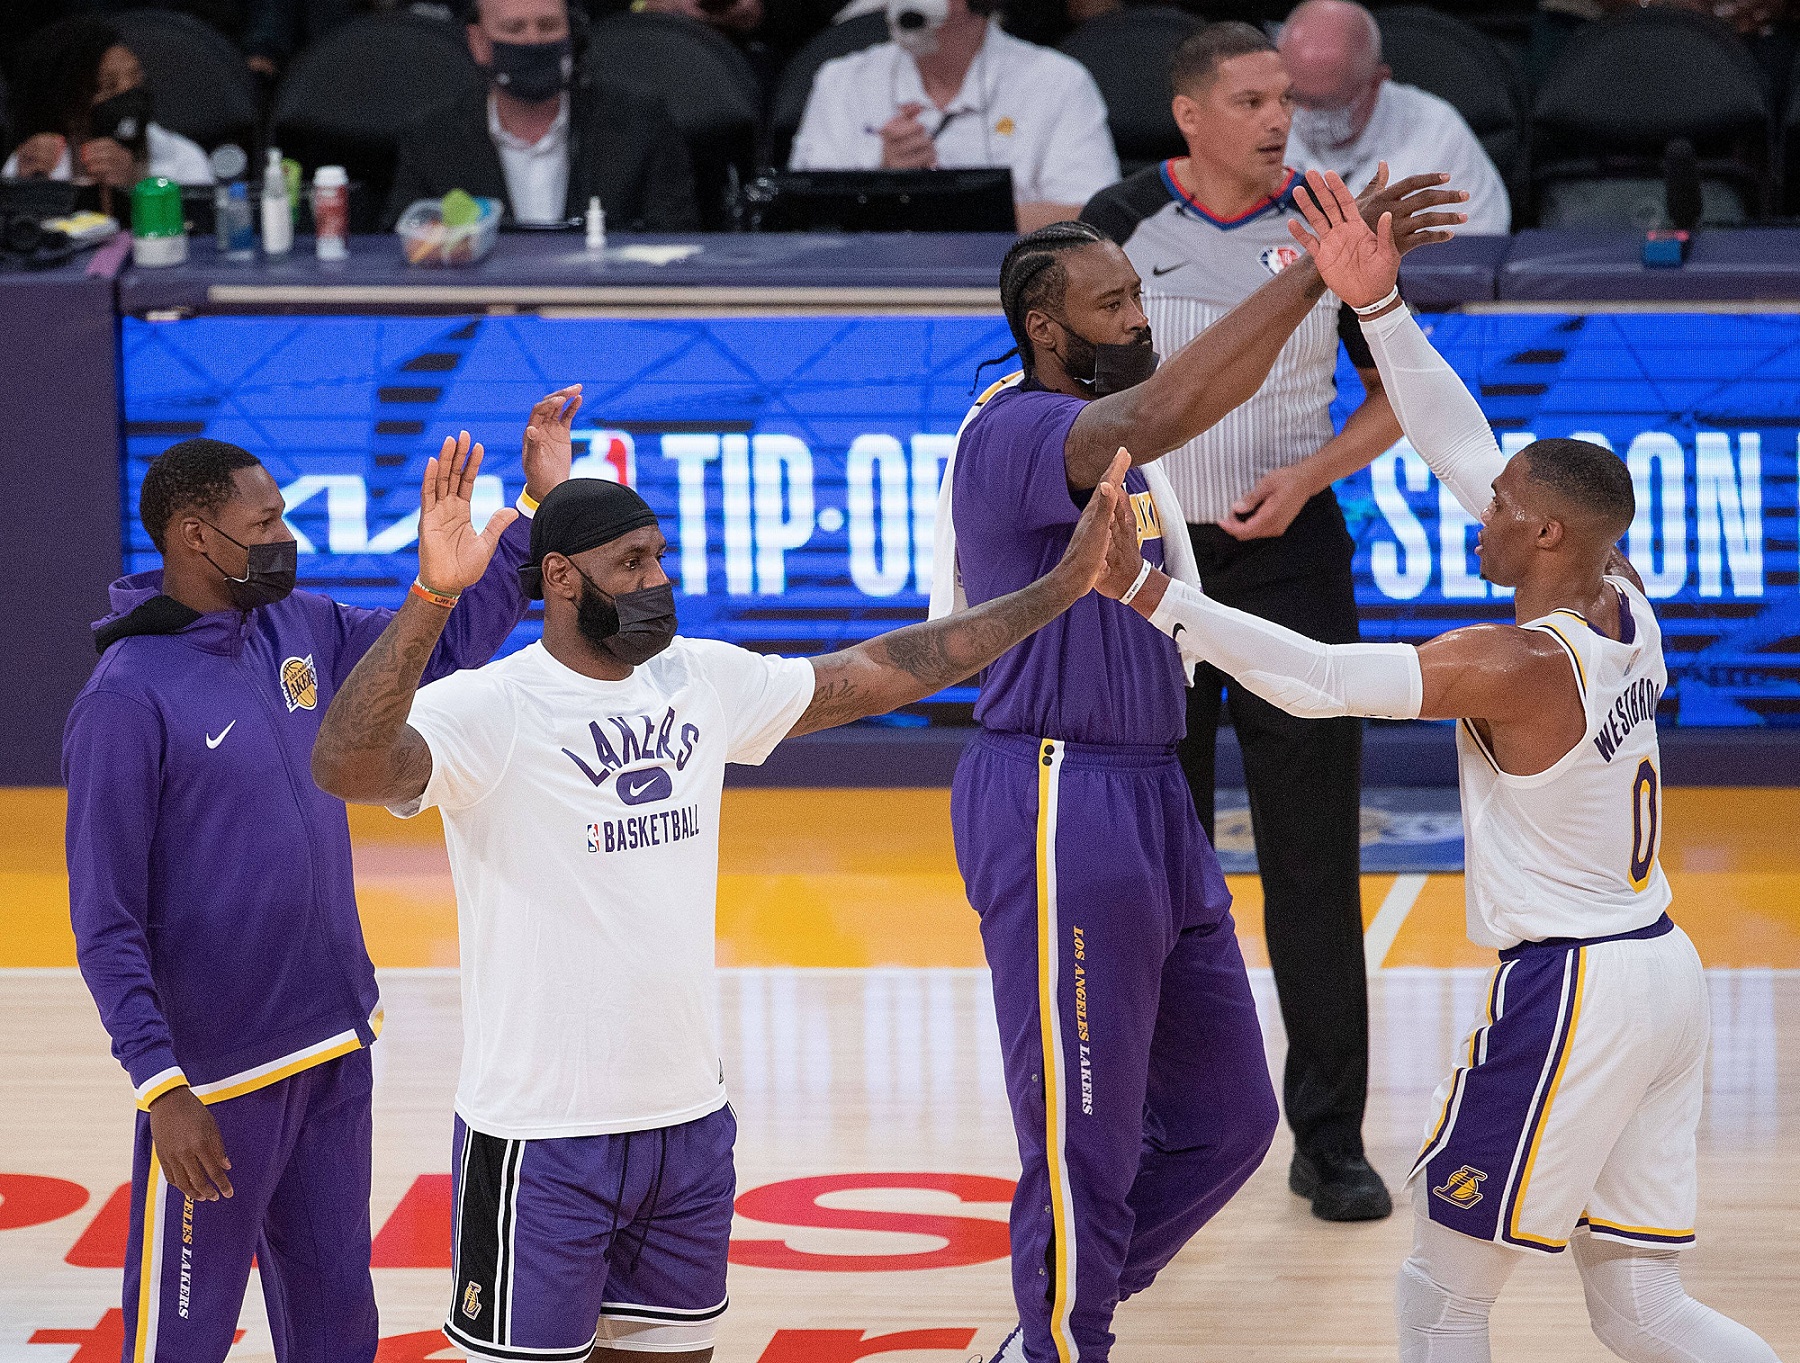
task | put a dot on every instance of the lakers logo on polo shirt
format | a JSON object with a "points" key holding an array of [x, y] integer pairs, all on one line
{"points": [[299, 683]]}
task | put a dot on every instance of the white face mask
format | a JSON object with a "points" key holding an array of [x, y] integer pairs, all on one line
{"points": [[914, 24], [1323, 128]]}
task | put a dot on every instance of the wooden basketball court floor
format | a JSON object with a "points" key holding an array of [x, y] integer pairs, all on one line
{"points": [[875, 1154]]}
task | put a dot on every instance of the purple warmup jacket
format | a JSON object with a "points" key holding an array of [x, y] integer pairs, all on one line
{"points": [[210, 882]]}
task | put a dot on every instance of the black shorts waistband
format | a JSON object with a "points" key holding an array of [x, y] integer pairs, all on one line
{"points": [[1661, 926], [1028, 748]]}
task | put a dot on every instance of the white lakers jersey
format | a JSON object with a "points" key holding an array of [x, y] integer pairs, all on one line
{"points": [[1572, 851]]}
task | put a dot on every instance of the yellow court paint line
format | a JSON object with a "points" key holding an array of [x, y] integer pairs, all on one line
{"points": [[868, 877]]}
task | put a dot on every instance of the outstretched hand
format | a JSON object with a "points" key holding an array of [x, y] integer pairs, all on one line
{"points": [[1084, 563], [1359, 265], [1124, 548], [1420, 205], [451, 555], [549, 443]]}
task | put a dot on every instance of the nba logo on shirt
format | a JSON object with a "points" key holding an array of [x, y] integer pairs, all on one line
{"points": [[1278, 258], [611, 455], [1463, 1188], [299, 683], [593, 837]]}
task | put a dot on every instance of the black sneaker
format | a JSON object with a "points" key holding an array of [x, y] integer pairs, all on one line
{"points": [[1340, 1187]]}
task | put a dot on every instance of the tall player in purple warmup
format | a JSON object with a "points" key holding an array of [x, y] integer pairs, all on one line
{"points": [[215, 918], [1134, 1062]]}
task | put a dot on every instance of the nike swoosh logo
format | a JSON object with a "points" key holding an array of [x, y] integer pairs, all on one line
{"points": [[637, 788], [1160, 270], [212, 742], [1176, 632]]}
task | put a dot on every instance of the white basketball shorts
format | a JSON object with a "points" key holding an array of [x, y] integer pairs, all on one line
{"points": [[1578, 1097]]}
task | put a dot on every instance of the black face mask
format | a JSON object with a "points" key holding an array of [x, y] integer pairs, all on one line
{"points": [[1114, 368], [268, 575], [533, 72], [125, 118], [632, 627]]}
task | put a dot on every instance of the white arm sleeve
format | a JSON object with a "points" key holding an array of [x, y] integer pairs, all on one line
{"points": [[1301, 675], [1439, 415]]}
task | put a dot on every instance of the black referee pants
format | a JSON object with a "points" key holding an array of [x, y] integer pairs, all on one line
{"points": [[1305, 785]]}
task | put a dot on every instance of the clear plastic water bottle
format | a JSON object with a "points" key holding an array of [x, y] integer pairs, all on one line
{"points": [[235, 225]]}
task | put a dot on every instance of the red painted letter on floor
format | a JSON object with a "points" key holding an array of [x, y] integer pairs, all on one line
{"points": [[972, 1240], [102, 1244], [846, 1346], [417, 1235], [33, 1199]]}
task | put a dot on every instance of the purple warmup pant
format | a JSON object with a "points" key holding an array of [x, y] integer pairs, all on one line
{"points": [[299, 1152], [1134, 1060]]}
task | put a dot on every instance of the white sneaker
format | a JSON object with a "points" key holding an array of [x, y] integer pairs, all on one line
{"points": [[1011, 1350]]}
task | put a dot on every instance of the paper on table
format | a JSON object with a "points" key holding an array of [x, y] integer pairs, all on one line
{"points": [[656, 255]]}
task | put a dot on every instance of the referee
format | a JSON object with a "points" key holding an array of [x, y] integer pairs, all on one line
{"points": [[1204, 231]]}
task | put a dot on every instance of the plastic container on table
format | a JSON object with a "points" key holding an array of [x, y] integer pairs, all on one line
{"points": [[429, 242]]}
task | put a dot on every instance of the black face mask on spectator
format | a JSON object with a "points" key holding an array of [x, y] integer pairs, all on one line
{"points": [[532, 72], [125, 118]]}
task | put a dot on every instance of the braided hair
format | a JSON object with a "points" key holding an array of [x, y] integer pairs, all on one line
{"points": [[1032, 277]]}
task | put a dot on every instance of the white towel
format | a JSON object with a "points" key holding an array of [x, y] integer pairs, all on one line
{"points": [[946, 573]]}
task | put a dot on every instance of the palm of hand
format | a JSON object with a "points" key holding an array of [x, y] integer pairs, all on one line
{"points": [[1355, 263], [451, 555]]}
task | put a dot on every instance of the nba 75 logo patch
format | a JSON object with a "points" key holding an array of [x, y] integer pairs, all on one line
{"points": [[1278, 258], [1463, 1188]]}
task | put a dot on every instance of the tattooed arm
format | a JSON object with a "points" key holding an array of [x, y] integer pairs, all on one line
{"points": [[365, 752], [906, 665]]}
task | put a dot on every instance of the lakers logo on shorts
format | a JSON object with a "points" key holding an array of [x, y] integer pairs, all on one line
{"points": [[1463, 1188], [300, 683], [471, 1306]]}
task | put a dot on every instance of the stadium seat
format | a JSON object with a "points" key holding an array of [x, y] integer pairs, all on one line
{"points": [[710, 87], [346, 97], [791, 91], [1127, 52], [1464, 66], [1620, 92], [1790, 146], [202, 88]]}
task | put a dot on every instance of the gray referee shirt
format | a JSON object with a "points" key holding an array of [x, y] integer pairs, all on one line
{"points": [[1196, 268]]}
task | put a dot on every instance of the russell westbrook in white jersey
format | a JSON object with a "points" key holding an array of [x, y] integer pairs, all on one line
{"points": [[1570, 1119]]}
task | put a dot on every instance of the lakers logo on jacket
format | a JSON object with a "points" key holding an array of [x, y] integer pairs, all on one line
{"points": [[299, 683]]}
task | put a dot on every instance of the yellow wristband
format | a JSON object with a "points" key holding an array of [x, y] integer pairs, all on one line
{"points": [[437, 598], [527, 504]]}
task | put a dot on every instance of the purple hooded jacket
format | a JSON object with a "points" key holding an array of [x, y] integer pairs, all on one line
{"points": [[210, 882]]}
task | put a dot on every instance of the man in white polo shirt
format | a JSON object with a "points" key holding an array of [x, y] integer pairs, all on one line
{"points": [[1349, 116], [954, 91], [580, 783]]}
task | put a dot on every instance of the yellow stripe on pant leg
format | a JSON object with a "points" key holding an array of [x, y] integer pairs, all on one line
{"points": [[150, 1266], [1050, 754]]}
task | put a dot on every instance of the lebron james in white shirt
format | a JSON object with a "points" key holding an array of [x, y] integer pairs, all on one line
{"points": [[580, 782], [1570, 1119]]}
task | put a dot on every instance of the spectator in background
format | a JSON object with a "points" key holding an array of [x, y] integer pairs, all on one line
{"points": [[274, 30], [83, 112], [543, 140], [951, 91], [1349, 117]]}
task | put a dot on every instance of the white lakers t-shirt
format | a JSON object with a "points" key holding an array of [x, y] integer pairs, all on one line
{"points": [[582, 819]]}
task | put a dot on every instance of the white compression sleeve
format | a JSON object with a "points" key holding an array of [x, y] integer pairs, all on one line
{"points": [[1439, 415], [1641, 1312], [1301, 675]]}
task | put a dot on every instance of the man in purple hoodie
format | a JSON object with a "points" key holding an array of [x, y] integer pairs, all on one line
{"points": [[214, 911]]}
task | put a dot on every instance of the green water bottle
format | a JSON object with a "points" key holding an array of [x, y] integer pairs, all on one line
{"points": [[158, 230]]}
